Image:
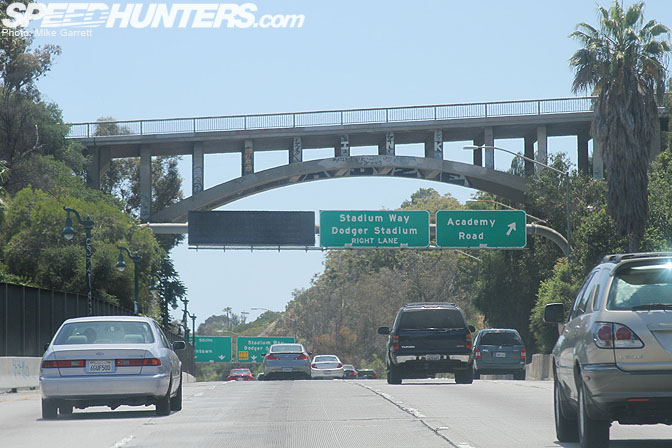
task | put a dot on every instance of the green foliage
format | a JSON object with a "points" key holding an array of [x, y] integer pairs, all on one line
{"points": [[561, 287]]}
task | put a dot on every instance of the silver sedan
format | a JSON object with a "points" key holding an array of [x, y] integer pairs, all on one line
{"points": [[110, 361], [326, 366], [286, 361]]}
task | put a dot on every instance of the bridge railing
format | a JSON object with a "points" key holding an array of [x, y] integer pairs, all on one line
{"points": [[331, 117]]}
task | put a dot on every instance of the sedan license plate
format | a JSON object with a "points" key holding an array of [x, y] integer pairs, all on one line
{"points": [[433, 357], [286, 369], [500, 355], [100, 366]]}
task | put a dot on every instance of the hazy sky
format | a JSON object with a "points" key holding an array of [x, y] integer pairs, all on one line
{"points": [[348, 54]]}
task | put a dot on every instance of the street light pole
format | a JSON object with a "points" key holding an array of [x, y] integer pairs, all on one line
{"points": [[185, 323], [68, 233], [564, 173], [121, 265]]}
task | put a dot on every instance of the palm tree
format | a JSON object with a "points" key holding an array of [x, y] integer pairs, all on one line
{"points": [[623, 64]]}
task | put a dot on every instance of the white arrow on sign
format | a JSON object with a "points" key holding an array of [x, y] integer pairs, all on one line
{"points": [[254, 358], [221, 357], [512, 227]]}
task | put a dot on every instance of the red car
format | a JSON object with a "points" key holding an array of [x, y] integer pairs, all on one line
{"points": [[240, 375]]}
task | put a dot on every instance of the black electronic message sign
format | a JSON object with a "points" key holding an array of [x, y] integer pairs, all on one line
{"points": [[251, 228]]}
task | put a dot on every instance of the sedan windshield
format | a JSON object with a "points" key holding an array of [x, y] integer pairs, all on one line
{"points": [[105, 332], [641, 287]]}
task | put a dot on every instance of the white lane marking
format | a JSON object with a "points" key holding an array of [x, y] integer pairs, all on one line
{"points": [[122, 442], [199, 394], [464, 445]]}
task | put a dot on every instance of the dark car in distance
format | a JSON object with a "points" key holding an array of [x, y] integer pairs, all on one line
{"points": [[367, 374], [499, 351], [426, 339]]}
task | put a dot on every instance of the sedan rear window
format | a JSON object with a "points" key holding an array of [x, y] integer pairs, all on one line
{"points": [[105, 332], [641, 285], [431, 318], [325, 359], [503, 338], [287, 348]]}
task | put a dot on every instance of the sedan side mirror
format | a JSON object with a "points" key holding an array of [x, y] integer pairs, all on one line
{"points": [[179, 345], [472, 328], [384, 330], [554, 313]]}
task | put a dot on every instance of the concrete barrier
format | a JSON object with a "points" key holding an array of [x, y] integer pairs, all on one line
{"points": [[19, 372], [541, 367]]}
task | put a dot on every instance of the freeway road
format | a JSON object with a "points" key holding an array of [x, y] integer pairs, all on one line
{"points": [[325, 414]]}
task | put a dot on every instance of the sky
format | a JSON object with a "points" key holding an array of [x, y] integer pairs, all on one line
{"points": [[348, 54]]}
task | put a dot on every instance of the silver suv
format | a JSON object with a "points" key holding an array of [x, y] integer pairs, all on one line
{"points": [[613, 359]]}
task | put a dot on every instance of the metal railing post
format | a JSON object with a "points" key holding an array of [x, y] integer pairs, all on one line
{"points": [[141, 127]]}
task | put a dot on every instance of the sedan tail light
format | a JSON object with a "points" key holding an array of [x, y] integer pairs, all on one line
{"points": [[611, 335], [313, 365], [137, 362], [301, 357], [63, 363], [270, 357], [339, 365]]}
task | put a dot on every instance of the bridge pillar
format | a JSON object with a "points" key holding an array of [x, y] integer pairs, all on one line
{"points": [[434, 148], [145, 183], [529, 153], [387, 148], [98, 166], [478, 153], [598, 161], [582, 149], [296, 153], [197, 168], [489, 140], [542, 145], [248, 158], [343, 150]]}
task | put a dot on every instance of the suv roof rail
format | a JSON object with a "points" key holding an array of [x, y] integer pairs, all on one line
{"points": [[617, 258], [430, 303]]}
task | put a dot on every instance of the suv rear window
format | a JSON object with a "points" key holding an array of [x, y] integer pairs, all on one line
{"points": [[422, 319], [641, 284], [503, 338]]}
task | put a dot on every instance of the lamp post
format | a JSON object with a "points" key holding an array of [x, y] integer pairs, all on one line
{"points": [[121, 265], [193, 330], [185, 315], [68, 233], [536, 162]]}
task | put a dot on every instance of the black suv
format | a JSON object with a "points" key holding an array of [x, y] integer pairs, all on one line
{"points": [[426, 339]]}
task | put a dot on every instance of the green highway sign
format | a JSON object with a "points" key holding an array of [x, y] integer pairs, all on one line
{"points": [[250, 349], [481, 229], [213, 349], [358, 229]]}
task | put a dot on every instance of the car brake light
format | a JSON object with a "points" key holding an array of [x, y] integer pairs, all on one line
{"points": [[313, 365], [626, 338], [468, 340], [137, 362], [270, 357], [523, 353], [339, 365], [477, 353], [63, 363], [301, 357], [610, 335], [395, 342]]}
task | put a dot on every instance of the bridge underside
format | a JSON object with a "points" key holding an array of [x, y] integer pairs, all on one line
{"points": [[465, 175]]}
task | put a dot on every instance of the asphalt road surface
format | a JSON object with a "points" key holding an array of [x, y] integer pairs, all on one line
{"points": [[324, 414]]}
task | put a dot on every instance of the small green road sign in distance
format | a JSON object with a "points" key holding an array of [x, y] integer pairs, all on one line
{"points": [[364, 229], [481, 229], [213, 349], [252, 349]]}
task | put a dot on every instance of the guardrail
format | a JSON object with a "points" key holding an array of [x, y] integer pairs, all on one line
{"points": [[331, 117]]}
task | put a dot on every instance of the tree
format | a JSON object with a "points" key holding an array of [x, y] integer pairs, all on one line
{"points": [[622, 63]]}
